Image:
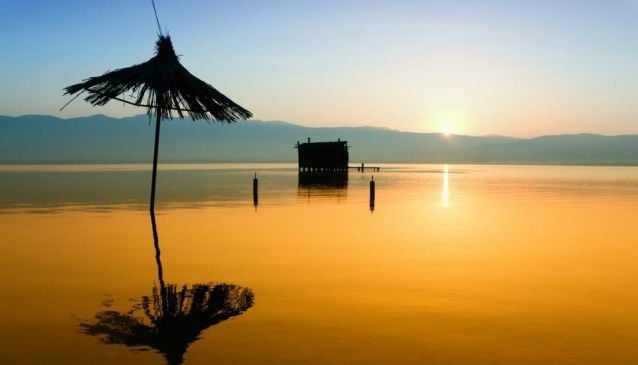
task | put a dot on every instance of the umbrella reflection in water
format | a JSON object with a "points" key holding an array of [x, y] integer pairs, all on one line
{"points": [[172, 317]]}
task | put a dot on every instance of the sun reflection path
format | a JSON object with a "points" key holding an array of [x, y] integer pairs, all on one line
{"points": [[445, 192]]}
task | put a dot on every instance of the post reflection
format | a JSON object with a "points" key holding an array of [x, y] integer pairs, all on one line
{"points": [[172, 317], [445, 191]]}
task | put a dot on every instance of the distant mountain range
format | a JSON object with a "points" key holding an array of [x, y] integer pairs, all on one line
{"points": [[34, 139]]}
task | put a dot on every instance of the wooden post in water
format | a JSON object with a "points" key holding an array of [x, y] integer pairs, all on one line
{"points": [[255, 190], [372, 193]]}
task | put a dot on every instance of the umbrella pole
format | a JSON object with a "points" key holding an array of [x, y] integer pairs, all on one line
{"points": [[154, 178], [160, 271]]}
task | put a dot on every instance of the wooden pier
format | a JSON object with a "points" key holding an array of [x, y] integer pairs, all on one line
{"points": [[363, 168]]}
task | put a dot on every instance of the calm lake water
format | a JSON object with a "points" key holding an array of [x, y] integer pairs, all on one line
{"points": [[455, 265]]}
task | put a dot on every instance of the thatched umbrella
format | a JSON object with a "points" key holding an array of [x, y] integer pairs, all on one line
{"points": [[164, 87], [171, 318]]}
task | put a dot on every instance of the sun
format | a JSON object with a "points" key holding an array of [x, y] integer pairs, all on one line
{"points": [[446, 131]]}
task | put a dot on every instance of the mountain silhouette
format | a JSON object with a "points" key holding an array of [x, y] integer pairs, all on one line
{"points": [[33, 139]]}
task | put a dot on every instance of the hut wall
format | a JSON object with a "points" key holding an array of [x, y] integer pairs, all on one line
{"points": [[318, 156]]}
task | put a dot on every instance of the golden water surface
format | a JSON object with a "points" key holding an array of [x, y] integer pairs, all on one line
{"points": [[455, 265]]}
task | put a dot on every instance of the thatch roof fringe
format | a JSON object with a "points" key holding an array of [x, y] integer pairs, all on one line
{"points": [[164, 86]]}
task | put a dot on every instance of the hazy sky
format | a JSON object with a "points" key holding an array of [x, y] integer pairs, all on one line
{"points": [[520, 68]]}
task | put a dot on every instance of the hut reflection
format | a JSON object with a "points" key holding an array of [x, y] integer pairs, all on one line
{"points": [[172, 317], [323, 184]]}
